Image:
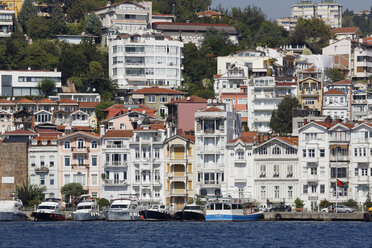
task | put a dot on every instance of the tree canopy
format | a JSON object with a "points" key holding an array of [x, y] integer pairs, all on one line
{"points": [[281, 119], [334, 74], [28, 11], [30, 195], [73, 190], [47, 87]]}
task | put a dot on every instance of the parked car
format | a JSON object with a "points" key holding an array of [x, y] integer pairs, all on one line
{"points": [[283, 208], [339, 209]]}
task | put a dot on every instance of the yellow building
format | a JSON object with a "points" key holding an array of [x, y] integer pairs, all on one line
{"points": [[15, 5], [179, 171], [310, 93]]}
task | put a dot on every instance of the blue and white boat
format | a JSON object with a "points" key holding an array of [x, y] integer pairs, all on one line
{"points": [[227, 209]]}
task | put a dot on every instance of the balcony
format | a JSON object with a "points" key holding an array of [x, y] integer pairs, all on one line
{"points": [[114, 146], [177, 160], [310, 94], [177, 176], [339, 158], [312, 178], [116, 164], [80, 166], [363, 180], [177, 192], [115, 183], [80, 149], [210, 183], [42, 170]]}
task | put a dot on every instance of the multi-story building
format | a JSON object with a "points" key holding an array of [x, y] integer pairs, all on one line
{"points": [[117, 171], [329, 11], [214, 127], [6, 121], [359, 101], [24, 82], [145, 60], [79, 156], [179, 174], [288, 23], [78, 97], [14, 5], [352, 33], [276, 171], [231, 81], [264, 96], [352, 56], [156, 98], [43, 164], [310, 93], [336, 104], [6, 22]]}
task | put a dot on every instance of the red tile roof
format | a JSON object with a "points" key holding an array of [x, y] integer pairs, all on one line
{"points": [[189, 137], [334, 92], [290, 140], [218, 75], [45, 100], [157, 90], [67, 100], [212, 109], [61, 127], [119, 134], [193, 99], [346, 30], [343, 82], [25, 100], [152, 127], [209, 12], [88, 104], [5, 101], [123, 2], [46, 138], [82, 128], [20, 132], [311, 69]]}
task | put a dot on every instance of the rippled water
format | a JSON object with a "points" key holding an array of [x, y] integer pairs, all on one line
{"points": [[193, 234]]}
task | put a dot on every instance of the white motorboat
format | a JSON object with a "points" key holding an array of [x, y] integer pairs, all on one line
{"points": [[192, 212], [11, 210], [50, 209], [156, 212], [123, 209], [86, 210]]}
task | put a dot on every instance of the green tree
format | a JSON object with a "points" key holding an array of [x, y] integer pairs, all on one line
{"points": [[270, 34], [103, 203], [351, 204], [99, 110], [39, 27], [73, 190], [28, 11], [30, 195], [94, 25], [281, 119], [58, 20], [76, 11], [368, 203], [96, 79], [334, 74], [324, 204], [314, 33], [299, 203], [47, 87]]}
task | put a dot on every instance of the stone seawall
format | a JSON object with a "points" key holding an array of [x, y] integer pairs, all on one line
{"points": [[314, 216]]}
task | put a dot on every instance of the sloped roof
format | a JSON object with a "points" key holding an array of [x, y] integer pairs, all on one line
{"points": [[82, 128], [119, 134], [155, 126], [20, 132], [346, 30], [342, 82], [5, 101], [93, 135], [88, 104], [189, 137], [157, 90], [212, 109], [46, 100], [25, 100], [334, 92], [67, 100], [119, 3], [193, 99], [290, 140]]}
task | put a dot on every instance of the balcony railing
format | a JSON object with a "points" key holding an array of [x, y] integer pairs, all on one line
{"points": [[80, 149], [42, 170], [109, 182], [79, 166], [116, 164]]}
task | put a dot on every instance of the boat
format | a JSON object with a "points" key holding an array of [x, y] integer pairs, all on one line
{"points": [[156, 213], [49, 210], [10, 210], [86, 209], [123, 209], [227, 209], [191, 212]]}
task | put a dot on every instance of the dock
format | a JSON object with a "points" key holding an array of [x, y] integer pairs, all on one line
{"points": [[313, 216]]}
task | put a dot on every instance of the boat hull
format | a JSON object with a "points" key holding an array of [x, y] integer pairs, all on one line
{"points": [[122, 216], [152, 215], [189, 216], [12, 216], [92, 216], [230, 217], [47, 216]]}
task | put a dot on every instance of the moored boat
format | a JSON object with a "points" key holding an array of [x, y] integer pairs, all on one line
{"points": [[191, 212], [226, 209], [86, 210], [123, 209], [10, 210], [48, 210], [156, 213]]}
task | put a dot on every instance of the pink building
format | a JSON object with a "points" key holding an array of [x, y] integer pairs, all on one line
{"points": [[181, 112], [80, 161]]}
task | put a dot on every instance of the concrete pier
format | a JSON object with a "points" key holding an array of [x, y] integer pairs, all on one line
{"points": [[314, 216]]}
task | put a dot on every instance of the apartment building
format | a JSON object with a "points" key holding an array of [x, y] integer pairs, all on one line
{"points": [[288, 23], [336, 105], [310, 93], [359, 101], [6, 21], [13, 5], [136, 61], [327, 10], [231, 81]]}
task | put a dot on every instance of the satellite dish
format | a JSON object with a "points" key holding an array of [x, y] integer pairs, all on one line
{"points": [[21, 126], [209, 101], [143, 111], [52, 108], [188, 98], [129, 109], [139, 122], [13, 98], [94, 89], [214, 100]]}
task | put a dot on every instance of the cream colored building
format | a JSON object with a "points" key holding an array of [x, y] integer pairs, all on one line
{"points": [[15, 5], [310, 93], [180, 174]]}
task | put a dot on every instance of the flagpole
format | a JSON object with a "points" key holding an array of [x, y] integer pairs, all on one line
{"points": [[336, 177]]}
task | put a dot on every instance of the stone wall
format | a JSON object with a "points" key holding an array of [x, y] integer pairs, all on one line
{"points": [[13, 167]]}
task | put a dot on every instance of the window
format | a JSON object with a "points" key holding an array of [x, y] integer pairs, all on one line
{"points": [[67, 179], [276, 150], [304, 189], [32, 161], [322, 153], [304, 153], [163, 99], [310, 136], [276, 170], [290, 170], [262, 170], [276, 192], [311, 153], [137, 176], [364, 171], [309, 101], [313, 170], [156, 175], [94, 179], [290, 191], [322, 188], [94, 160], [67, 160], [156, 153], [51, 161], [313, 188], [51, 179], [338, 172], [94, 144], [240, 155], [33, 179], [356, 171], [80, 160], [151, 98], [80, 144], [122, 126], [137, 153], [263, 192], [42, 179], [67, 144]]}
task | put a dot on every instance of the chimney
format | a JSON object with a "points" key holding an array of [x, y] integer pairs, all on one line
{"points": [[102, 130], [305, 122], [29, 68], [55, 69]]}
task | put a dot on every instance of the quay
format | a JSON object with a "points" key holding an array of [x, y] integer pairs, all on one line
{"points": [[313, 216]]}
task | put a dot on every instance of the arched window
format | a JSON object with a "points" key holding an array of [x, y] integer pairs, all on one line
{"points": [[94, 144], [67, 144], [80, 143], [276, 150]]}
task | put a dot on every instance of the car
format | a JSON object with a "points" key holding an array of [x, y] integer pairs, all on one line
{"points": [[282, 208], [339, 209], [326, 210]]}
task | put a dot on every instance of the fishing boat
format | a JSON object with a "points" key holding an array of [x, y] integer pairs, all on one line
{"points": [[156, 213], [49, 210], [191, 212], [87, 209], [227, 209], [10, 210], [123, 209]]}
